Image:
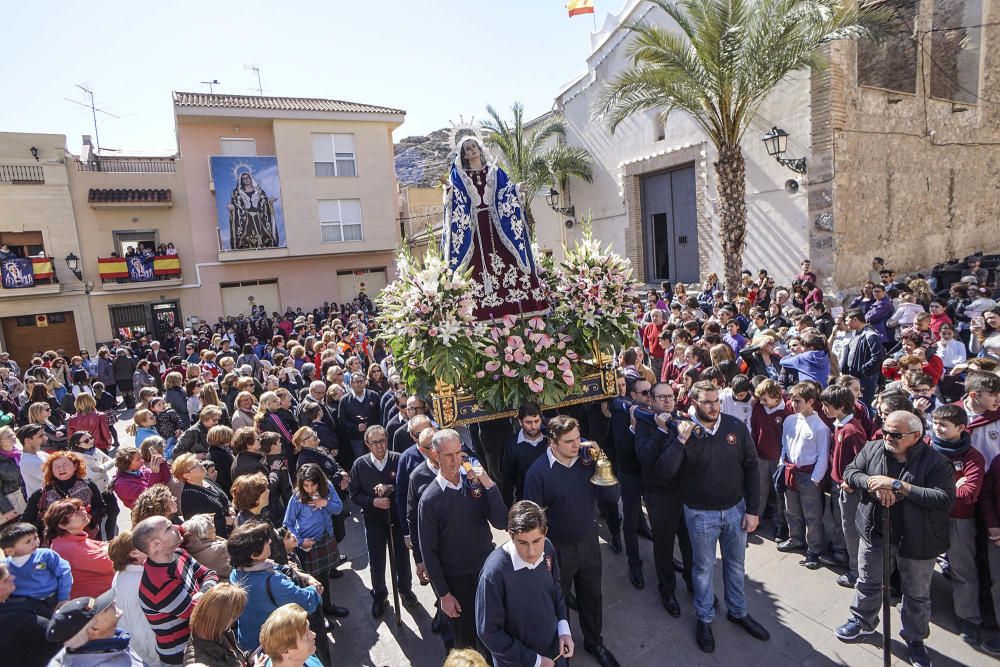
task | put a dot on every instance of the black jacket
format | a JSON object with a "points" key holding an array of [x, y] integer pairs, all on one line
{"points": [[924, 524], [193, 441]]}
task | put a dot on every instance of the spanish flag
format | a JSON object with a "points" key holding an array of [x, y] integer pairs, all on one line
{"points": [[576, 7]]}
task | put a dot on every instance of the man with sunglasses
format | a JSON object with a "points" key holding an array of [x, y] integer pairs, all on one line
{"points": [[917, 483]]}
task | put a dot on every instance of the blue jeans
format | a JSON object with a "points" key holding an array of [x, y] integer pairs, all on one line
{"points": [[725, 528]]}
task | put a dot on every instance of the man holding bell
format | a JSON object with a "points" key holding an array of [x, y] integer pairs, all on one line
{"points": [[560, 481]]}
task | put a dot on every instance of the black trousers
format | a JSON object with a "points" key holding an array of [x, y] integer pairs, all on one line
{"points": [[377, 537], [580, 569], [109, 526], [463, 629], [631, 515], [666, 517]]}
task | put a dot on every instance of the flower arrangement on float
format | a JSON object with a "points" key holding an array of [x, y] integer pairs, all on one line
{"points": [[425, 317]]}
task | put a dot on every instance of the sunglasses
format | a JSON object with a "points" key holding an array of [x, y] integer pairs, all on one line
{"points": [[644, 392], [86, 440], [896, 436]]}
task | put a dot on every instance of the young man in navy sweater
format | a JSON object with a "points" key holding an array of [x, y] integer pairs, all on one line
{"points": [[520, 611], [560, 481], [521, 451], [453, 519]]}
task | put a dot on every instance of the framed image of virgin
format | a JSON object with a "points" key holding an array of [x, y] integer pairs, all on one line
{"points": [[248, 203]]}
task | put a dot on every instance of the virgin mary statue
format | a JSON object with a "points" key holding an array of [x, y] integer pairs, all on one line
{"points": [[485, 229], [251, 216]]}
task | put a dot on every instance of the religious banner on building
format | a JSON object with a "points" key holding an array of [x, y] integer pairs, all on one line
{"points": [[140, 268], [18, 272], [247, 202]]}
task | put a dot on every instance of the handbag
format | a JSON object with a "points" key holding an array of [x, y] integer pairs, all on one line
{"points": [[17, 501]]}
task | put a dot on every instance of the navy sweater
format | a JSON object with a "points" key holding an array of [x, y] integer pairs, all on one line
{"points": [[454, 528], [420, 478], [569, 498], [517, 612], [364, 478], [517, 458]]}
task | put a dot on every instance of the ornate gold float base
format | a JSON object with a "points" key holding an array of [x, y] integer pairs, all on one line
{"points": [[456, 407]]}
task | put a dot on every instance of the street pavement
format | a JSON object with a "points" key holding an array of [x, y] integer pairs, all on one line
{"points": [[799, 607]]}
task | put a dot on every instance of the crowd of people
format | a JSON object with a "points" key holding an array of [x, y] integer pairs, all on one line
{"points": [[765, 414]]}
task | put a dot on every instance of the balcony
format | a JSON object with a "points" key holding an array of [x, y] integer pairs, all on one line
{"points": [[125, 165], [28, 277], [129, 198], [139, 272], [22, 174]]}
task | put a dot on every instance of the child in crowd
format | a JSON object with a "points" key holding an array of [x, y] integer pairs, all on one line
{"points": [[143, 426], [849, 437], [805, 452], [169, 423], [737, 399], [766, 420], [813, 360], [950, 438], [43, 579]]}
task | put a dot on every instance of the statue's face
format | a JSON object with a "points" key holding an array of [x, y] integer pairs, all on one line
{"points": [[470, 150], [245, 179]]}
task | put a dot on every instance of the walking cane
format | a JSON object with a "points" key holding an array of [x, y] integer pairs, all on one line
{"points": [[886, 572], [392, 567]]}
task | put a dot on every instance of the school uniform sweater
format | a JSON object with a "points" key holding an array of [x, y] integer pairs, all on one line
{"points": [[408, 461], [520, 609], [42, 574], [454, 525], [766, 428], [419, 480], [568, 496], [365, 476], [848, 439], [519, 454], [308, 522], [165, 595]]}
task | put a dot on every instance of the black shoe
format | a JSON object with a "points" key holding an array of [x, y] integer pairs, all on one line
{"points": [[916, 652], [670, 603], [571, 602], [343, 558], [753, 628], [811, 561], [969, 633], [706, 641], [334, 610], [846, 580], [436, 624], [834, 560], [336, 574], [409, 599], [635, 576], [603, 655], [780, 534], [644, 531], [616, 543], [790, 545], [378, 607]]}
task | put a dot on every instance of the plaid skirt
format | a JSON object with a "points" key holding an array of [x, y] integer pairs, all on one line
{"points": [[323, 557]]}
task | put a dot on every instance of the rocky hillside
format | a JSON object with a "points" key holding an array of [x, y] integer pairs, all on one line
{"points": [[421, 160]]}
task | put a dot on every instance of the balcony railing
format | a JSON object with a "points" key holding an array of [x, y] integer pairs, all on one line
{"points": [[139, 269], [130, 166], [22, 174]]}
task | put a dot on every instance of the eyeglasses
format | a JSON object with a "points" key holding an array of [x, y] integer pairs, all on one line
{"points": [[380, 441], [897, 436], [664, 397], [715, 402]]}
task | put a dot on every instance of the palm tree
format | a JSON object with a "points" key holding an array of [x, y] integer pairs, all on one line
{"points": [[726, 58], [526, 158]]}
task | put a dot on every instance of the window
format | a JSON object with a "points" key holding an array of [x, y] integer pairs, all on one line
{"points": [[238, 146], [954, 54], [333, 154], [22, 244], [137, 241], [893, 65], [340, 220]]}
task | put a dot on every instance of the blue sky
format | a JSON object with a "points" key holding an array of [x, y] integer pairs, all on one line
{"points": [[437, 59]]}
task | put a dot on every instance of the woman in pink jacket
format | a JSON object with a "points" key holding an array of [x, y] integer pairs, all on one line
{"points": [[134, 477], [66, 523]]}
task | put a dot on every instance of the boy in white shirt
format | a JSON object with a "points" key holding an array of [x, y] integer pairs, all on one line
{"points": [[737, 399], [805, 453]]}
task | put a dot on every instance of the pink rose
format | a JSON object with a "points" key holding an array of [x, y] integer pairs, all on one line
{"points": [[433, 331], [480, 374], [508, 357]]}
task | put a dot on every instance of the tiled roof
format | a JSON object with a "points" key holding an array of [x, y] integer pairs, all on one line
{"points": [[102, 195], [182, 99]]}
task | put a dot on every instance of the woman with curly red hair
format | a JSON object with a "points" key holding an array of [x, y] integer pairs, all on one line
{"points": [[66, 524], [64, 475]]}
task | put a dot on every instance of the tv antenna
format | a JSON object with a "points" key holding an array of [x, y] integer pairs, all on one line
{"points": [[256, 70], [93, 112], [211, 85]]}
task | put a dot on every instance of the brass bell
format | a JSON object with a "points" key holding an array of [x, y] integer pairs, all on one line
{"points": [[603, 474]]}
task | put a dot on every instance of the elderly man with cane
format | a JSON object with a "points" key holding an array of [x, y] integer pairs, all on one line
{"points": [[916, 487]]}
